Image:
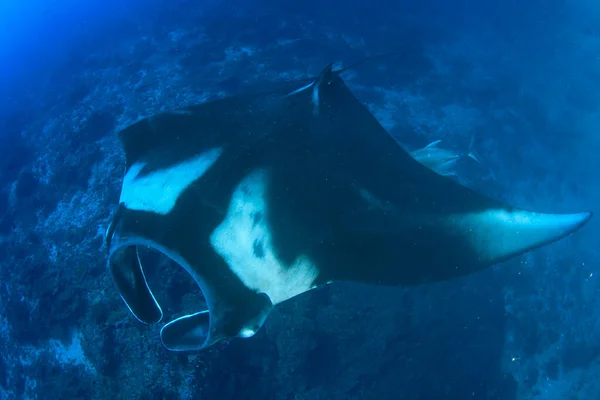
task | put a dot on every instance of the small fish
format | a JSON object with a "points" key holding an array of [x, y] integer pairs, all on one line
{"points": [[442, 160]]}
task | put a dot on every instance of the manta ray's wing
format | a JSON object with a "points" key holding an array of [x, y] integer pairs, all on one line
{"points": [[413, 226], [263, 196]]}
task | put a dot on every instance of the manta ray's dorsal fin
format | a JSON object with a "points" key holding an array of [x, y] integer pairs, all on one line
{"points": [[325, 77]]}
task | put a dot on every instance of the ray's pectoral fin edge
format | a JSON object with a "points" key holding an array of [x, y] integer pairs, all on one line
{"points": [[126, 269]]}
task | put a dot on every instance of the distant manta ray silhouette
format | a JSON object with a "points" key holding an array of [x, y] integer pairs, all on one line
{"points": [[266, 195]]}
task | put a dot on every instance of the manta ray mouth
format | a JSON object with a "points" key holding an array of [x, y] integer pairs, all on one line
{"points": [[127, 272], [189, 332]]}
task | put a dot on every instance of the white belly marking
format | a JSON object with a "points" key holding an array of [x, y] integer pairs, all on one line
{"points": [[159, 190], [244, 241]]}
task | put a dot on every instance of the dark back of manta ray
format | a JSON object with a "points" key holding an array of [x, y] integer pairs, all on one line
{"points": [[331, 153], [325, 160]]}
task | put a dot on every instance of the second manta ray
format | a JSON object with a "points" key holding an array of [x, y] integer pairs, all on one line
{"points": [[264, 196]]}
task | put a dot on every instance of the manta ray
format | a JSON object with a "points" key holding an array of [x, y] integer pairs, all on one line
{"points": [[263, 196]]}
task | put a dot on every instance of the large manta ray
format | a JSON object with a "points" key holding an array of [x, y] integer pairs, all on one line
{"points": [[264, 196]]}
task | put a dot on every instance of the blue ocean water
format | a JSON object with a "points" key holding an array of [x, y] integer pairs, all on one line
{"points": [[517, 80]]}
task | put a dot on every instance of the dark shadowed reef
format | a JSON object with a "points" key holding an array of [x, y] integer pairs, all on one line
{"points": [[522, 79]]}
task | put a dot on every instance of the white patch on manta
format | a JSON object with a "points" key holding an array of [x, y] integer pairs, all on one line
{"points": [[159, 190], [496, 233], [243, 230]]}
